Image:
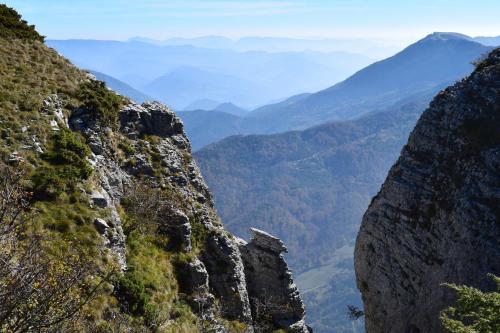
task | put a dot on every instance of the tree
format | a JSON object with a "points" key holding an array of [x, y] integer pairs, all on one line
{"points": [[475, 311], [354, 313]]}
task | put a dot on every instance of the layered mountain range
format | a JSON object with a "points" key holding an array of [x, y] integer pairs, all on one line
{"points": [[422, 69], [182, 74]]}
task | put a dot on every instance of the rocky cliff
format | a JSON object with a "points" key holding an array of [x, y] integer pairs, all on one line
{"points": [[119, 213], [436, 217], [221, 272]]}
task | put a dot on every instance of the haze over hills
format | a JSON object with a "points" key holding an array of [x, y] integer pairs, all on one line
{"points": [[182, 84], [122, 88], [257, 77], [423, 68], [369, 48], [202, 104], [490, 41], [231, 109]]}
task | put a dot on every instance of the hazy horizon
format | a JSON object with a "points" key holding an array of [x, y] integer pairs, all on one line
{"points": [[384, 21]]}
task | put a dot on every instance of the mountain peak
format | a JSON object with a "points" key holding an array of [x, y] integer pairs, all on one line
{"points": [[445, 36]]}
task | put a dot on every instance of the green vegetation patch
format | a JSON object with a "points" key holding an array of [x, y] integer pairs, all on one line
{"points": [[475, 311], [13, 26], [103, 103], [67, 165]]}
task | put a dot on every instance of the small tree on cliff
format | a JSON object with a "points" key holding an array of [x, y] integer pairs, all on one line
{"points": [[475, 312]]}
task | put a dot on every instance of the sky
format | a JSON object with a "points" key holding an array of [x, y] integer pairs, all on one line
{"points": [[402, 20]]}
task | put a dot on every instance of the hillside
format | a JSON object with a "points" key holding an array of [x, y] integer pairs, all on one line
{"points": [[202, 104], [106, 224], [231, 109], [421, 67], [310, 188], [436, 217], [420, 70]]}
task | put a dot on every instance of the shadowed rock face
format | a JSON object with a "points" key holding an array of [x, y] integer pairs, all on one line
{"points": [[272, 293], [437, 217]]}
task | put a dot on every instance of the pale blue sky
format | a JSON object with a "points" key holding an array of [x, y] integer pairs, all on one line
{"points": [[388, 19]]}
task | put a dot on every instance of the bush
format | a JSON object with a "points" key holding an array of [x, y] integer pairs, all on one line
{"points": [[132, 294], [475, 311], [103, 103], [12, 26], [126, 148], [67, 157], [47, 184], [70, 151]]}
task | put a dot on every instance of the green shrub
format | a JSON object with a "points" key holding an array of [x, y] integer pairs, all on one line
{"points": [[70, 151], [103, 103], [12, 26], [47, 184], [475, 312], [132, 293], [198, 232], [126, 148], [67, 157]]}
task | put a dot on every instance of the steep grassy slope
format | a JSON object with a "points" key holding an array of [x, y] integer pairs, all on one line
{"points": [[48, 169], [106, 224]]}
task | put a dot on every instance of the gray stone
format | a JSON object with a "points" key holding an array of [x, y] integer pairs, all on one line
{"points": [[178, 229], [266, 241], [274, 297], [152, 118], [101, 225], [98, 199], [436, 218], [224, 264]]}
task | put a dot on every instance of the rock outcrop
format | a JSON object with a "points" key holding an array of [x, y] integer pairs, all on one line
{"points": [[274, 298], [221, 272], [437, 217]]}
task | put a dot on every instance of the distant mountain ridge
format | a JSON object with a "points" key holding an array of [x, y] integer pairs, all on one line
{"points": [[231, 109], [367, 47], [423, 68], [258, 77], [122, 88], [181, 84]]}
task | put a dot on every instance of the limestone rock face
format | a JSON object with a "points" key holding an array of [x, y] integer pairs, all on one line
{"points": [[178, 228], [216, 282], [227, 277], [437, 217], [273, 295]]}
